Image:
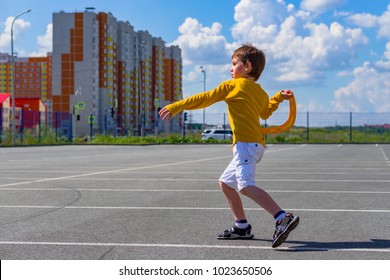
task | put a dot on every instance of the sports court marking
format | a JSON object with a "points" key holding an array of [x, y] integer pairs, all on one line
{"points": [[385, 156], [187, 190], [126, 169], [263, 170], [75, 177], [195, 246], [183, 208], [110, 171]]}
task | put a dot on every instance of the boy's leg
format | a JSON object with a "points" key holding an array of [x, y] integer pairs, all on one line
{"points": [[241, 229], [262, 198], [234, 201], [285, 222]]}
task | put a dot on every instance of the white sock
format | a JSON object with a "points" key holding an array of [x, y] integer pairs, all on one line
{"points": [[242, 224]]}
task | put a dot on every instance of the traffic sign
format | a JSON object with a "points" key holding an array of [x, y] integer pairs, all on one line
{"points": [[80, 105], [91, 119]]}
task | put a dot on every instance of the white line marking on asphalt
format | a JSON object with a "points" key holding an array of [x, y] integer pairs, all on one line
{"points": [[194, 246], [75, 178], [126, 169], [264, 169], [279, 150], [384, 154], [183, 208], [260, 173], [110, 171], [187, 190]]}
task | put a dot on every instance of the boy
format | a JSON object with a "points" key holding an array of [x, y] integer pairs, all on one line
{"points": [[246, 101]]}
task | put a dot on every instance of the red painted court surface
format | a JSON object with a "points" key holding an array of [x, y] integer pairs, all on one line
{"points": [[163, 202]]}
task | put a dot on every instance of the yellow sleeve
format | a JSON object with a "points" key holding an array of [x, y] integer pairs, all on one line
{"points": [[273, 104], [200, 100]]}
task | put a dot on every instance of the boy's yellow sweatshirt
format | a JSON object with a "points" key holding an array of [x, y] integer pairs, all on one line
{"points": [[247, 102]]}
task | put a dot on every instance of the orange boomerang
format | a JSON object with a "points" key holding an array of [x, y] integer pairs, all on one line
{"points": [[288, 124]]}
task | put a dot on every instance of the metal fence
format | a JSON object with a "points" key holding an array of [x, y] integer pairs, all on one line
{"points": [[315, 127], [310, 127]]}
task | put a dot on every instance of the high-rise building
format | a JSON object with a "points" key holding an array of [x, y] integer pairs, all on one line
{"points": [[127, 106], [172, 82], [118, 73], [100, 67], [158, 73], [76, 69]]}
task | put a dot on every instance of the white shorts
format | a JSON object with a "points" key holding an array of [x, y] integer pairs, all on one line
{"points": [[241, 171]]}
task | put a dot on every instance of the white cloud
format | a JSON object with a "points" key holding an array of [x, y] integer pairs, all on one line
{"points": [[45, 42], [191, 76], [387, 52], [298, 49], [369, 91], [320, 6], [201, 44], [343, 73], [366, 20], [257, 19], [384, 24], [20, 25]]}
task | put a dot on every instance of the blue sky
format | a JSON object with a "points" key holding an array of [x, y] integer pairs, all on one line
{"points": [[334, 54]]}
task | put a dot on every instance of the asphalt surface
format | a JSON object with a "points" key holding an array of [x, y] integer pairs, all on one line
{"points": [[163, 202]]}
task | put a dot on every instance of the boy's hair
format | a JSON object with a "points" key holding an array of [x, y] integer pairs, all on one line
{"points": [[255, 56]]}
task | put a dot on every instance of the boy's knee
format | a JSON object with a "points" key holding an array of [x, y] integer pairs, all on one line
{"points": [[225, 187], [243, 191], [248, 190], [222, 185]]}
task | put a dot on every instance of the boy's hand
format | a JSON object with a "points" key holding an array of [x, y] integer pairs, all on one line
{"points": [[287, 94], [165, 114]]}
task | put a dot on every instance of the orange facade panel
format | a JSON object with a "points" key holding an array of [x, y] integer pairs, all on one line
{"points": [[78, 16], [79, 32], [65, 99]]}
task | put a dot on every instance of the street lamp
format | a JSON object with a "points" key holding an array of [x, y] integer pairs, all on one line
{"points": [[12, 76], [75, 111], [204, 89]]}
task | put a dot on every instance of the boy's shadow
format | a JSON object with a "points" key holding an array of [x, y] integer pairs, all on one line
{"points": [[297, 246]]}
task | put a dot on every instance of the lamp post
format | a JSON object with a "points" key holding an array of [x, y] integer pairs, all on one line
{"points": [[204, 89], [75, 112], [12, 76]]}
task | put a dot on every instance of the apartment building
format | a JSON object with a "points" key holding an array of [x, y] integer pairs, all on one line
{"points": [[76, 70], [127, 69], [118, 73], [32, 80], [158, 74], [100, 67], [32, 76], [172, 83]]}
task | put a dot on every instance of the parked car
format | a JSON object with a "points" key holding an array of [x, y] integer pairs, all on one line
{"points": [[218, 134]]}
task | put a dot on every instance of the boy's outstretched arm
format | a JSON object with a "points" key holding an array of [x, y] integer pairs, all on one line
{"points": [[165, 114]]}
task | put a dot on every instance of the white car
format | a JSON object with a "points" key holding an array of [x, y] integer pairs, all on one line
{"points": [[218, 134]]}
